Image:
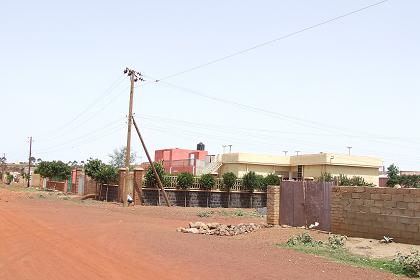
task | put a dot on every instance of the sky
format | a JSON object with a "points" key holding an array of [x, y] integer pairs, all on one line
{"points": [[352, 82]]}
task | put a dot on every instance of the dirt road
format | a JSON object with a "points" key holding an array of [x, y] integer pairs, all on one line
{"points": [[42, 238]]}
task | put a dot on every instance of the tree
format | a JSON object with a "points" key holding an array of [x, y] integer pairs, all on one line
{"points": [[53, 169], [184, 180], [150, 176], [92, 167], [118, 157], [271, 180], [207, 181], [101, 172], [107, 174], [229, 180], [252, 181], [393, 175]]}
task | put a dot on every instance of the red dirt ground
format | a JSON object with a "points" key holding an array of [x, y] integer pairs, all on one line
{"points": [[45, 238]]}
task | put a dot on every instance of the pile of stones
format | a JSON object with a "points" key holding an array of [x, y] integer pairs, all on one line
{"points": [[220, 229]]}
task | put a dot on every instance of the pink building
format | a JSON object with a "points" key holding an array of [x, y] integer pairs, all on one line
{"points": [[181, 160]]}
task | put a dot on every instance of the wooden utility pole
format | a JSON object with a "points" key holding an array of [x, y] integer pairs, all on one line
{"points": [[165, 195], [134, 77], [29, 162]]}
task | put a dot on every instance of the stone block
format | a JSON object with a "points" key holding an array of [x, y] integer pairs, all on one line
{"points": [[390, 204], [409, 198], [379, 203], [386, 196], [375, 196], [369, 202], [413, 206], [397, 197], [375, 210], [402, 205]]}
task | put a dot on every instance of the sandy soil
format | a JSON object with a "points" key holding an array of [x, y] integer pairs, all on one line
{"points": [[374, 249], [52, 238]]}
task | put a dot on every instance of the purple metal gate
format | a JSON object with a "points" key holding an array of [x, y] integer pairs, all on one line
{"points": [[304, 203]]}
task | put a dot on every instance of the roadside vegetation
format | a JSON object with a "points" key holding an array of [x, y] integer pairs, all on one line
{"points": [[343, 180], [230, 213], [333, 249], [408, 181]]}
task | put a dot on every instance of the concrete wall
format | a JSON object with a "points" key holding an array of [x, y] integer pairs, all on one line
{"points": [[202, 198], [377, 212]]}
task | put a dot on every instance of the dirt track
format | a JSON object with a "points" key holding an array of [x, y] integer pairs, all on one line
{"points": [[57, 239]]}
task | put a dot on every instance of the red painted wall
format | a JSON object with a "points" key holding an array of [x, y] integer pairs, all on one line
{"points": [[179, 160]]}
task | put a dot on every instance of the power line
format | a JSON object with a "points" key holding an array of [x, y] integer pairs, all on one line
{"points": [[112, 124], [217, 60], [90, 106]]}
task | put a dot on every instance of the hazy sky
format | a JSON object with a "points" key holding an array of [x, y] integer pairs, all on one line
{"points": [[353, 82]]}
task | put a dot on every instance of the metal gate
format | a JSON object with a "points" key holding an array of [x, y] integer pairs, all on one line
{"points": [[80, 185], [69, 184], [304, 203]]}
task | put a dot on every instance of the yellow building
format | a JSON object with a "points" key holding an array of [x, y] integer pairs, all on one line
{"points": [[299, 167]]}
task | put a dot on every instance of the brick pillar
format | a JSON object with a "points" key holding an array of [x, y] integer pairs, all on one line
{"points": [[273, 205], [138, 187], [122, 173], [75, 186]]}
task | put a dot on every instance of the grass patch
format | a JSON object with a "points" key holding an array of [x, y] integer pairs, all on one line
{"points": [[333, 250], [228, 213]]}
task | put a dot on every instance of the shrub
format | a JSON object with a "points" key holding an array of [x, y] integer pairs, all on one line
{"points": [[325, 177], [252, 181], [301, 239], [410, 263], [9, 178], [207, 181], [358, 181], [184, 180], [150, 176], [229, 180], [271, 180], [336, 241]]}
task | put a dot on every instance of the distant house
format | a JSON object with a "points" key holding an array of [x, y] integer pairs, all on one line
{"points": [[298, 167], [183, 160]]}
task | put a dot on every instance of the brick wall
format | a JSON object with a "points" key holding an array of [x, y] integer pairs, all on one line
{"points": [[55, 185], [376, 212]]}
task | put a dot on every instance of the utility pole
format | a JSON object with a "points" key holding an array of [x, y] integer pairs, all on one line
{"points": [[297, 153], [349, 148], [134, 77], [285, 153], [224, 148], [29, 162], [230, 149], [165, 195]]}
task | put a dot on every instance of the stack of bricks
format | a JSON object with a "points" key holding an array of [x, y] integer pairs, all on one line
{"points": [[273, 205], [376, 212]]}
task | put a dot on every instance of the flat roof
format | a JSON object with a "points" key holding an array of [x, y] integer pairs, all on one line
{"points": [[304, 159]]}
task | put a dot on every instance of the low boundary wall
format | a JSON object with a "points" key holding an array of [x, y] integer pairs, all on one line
{"points": [[203, 198], [377, 212]]}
